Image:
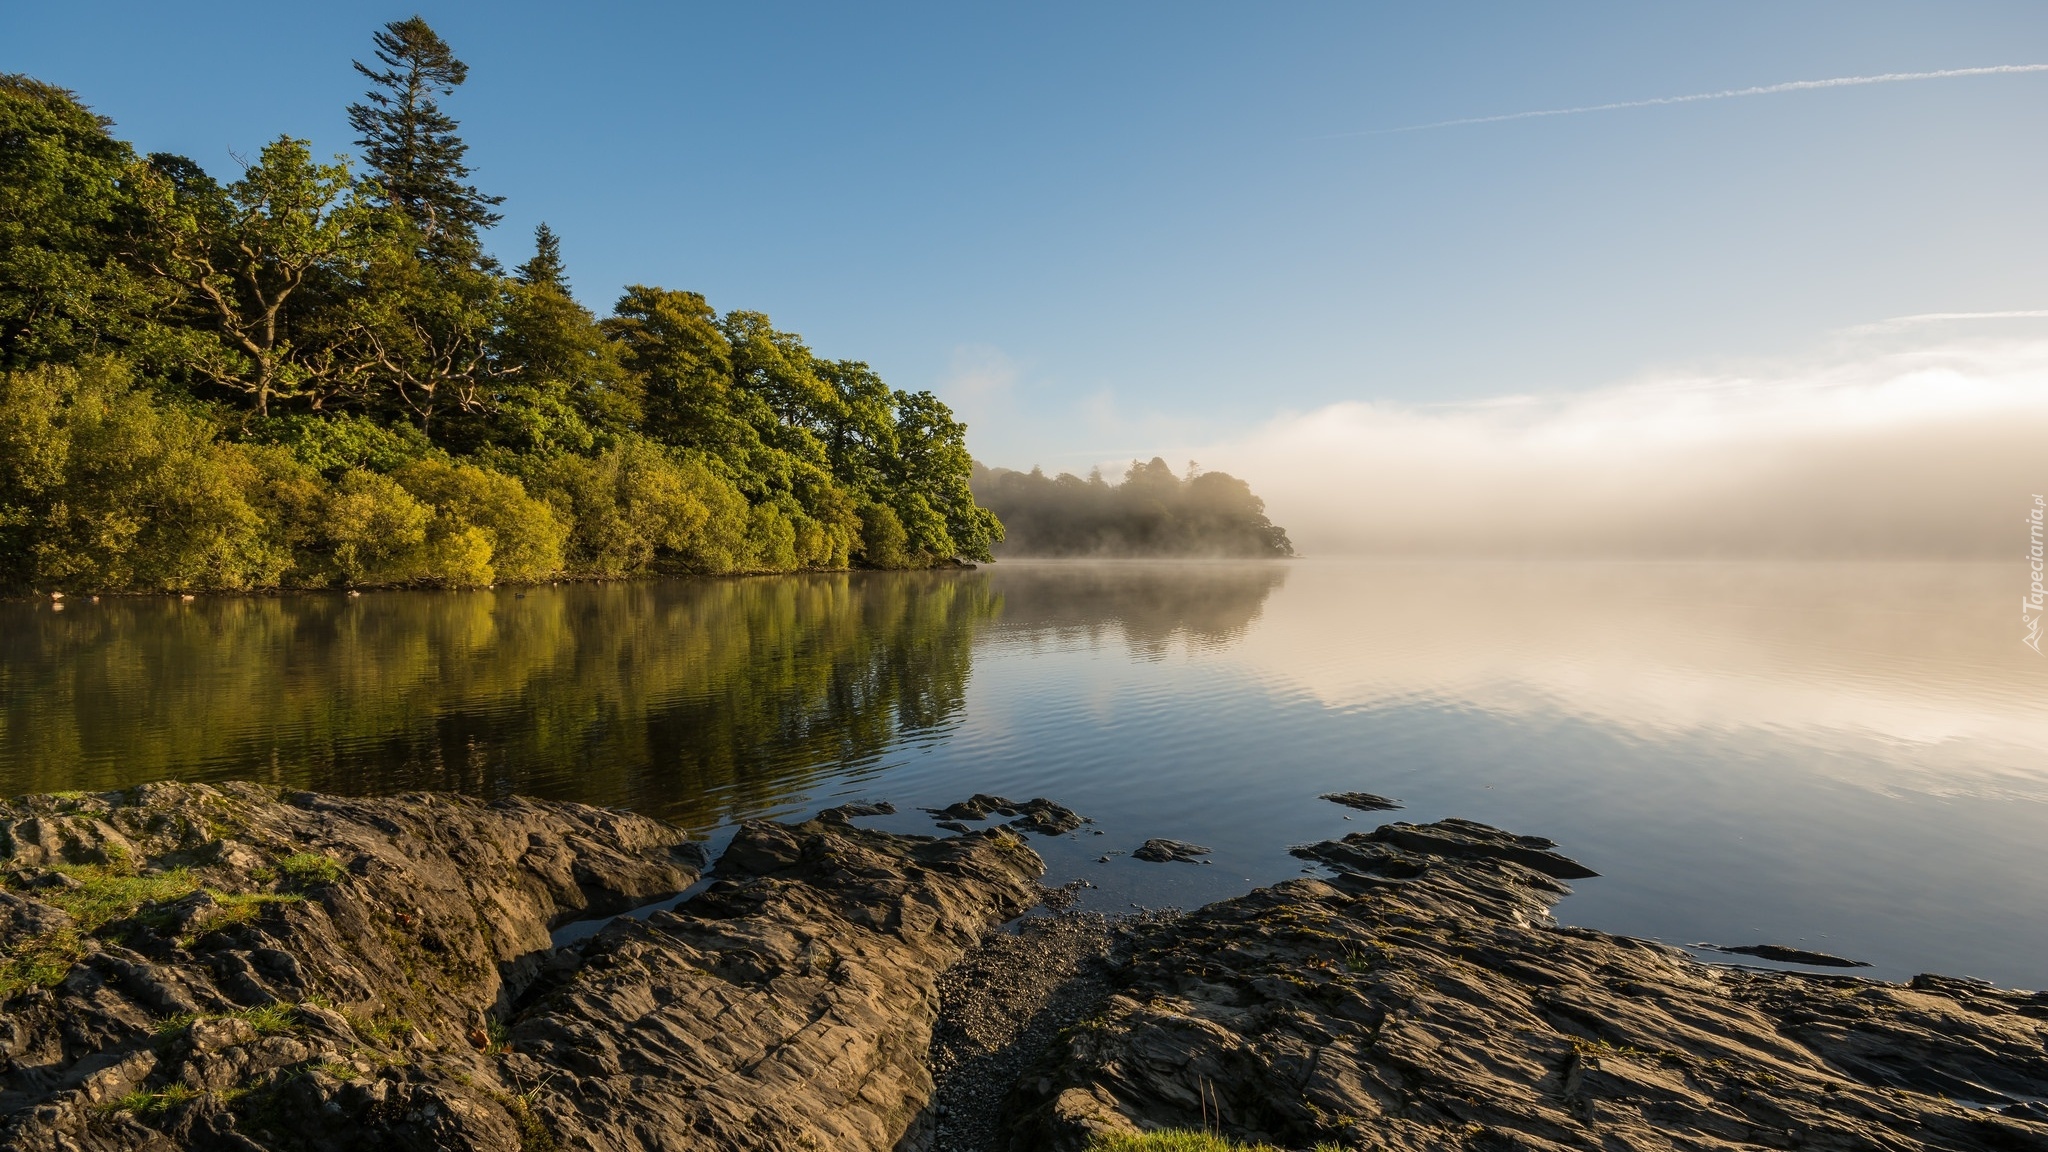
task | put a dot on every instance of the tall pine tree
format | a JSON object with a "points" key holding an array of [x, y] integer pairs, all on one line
{"points": [[545, 269], [410, 144]]}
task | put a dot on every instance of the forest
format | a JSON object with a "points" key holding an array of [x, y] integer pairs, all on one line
{"points": [[1151, 513], [314, 373]]}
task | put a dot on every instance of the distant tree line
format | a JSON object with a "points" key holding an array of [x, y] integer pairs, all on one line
{"points": [[312, 373], [1151, 513]]}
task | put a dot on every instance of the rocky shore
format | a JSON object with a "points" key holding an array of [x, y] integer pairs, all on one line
{"points": [[234, 968]]}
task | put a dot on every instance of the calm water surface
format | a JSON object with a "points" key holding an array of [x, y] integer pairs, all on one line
{"points": [[1849, 756]]}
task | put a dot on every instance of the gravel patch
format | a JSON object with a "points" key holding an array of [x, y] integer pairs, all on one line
{"points": [[1001, 1006]]}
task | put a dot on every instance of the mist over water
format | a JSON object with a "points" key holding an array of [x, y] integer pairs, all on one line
{"points": [[1849, 756], [1884, 447]]}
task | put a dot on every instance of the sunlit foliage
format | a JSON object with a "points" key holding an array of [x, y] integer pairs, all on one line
{"points": [[314, 374]]}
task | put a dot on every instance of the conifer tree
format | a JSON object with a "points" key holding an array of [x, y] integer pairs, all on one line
{"points": [[410, 144], [545, 269]]}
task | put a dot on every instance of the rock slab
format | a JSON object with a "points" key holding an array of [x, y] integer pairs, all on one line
{"points": [[1423, 999]]}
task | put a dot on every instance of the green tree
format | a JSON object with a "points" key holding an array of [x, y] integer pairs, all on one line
{"points": [[64, 203], [240, 258], [930, 474], [545, 269], [860, 426], [562, 386], [421, 337], [672, 342], [411, 145]]}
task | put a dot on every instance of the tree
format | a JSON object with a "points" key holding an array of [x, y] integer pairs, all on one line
{"points": [[241, 255], [410, 144], [930, 474], [63, 202], [545, 270]]}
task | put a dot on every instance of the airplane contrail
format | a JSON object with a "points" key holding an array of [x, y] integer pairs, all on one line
{"points": [[1725, 94]]}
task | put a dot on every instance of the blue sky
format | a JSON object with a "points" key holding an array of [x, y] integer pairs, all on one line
{"points": [[1105, 230]]}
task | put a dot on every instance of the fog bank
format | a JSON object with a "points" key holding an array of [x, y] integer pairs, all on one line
{"points": [[1871, 451]]}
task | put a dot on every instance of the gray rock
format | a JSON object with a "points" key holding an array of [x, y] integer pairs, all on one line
{"points": [[1167, 851], [1784, 955], [1363, 801], [1423, 999]]}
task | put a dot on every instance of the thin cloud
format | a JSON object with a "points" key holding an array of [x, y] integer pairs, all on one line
{"points": [[1725, 94], [1895, 322]]}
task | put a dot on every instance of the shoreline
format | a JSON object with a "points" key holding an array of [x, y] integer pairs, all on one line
{"points": [[241, 967], [35, 596]]}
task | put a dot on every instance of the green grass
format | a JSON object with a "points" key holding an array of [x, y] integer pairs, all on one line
{"points": [[269, 1020], [302, 871], [107, 893], [1184, 1140], [384, 1031], [152, 1103], [40, 962]]}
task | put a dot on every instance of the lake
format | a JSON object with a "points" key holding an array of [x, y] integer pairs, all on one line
{"points": [[1847, 757]]}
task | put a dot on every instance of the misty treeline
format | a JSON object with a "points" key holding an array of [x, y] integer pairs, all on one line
{"points": [[312, 373], [1152, 512]]}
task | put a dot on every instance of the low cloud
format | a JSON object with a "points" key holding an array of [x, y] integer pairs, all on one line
{"points": [[1924, 451]]}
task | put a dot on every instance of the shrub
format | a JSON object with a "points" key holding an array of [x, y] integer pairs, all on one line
{"points": [[104, 486], [485, 526], [374, 527], [639, 507]]}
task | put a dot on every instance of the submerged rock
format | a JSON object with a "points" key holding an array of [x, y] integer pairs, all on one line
{"points": [[1363, 801], [1168, 851], [1423, 999], [1035, 815], [976, 807], [845, 812], [1783, 955]]}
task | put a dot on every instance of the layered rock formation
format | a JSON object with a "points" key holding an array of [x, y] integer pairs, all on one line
{"points": [[192, 967], [1422, 999], [234, 968]]}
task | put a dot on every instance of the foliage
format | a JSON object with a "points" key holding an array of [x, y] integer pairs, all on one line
{"points": [[314, 375], [411, 144], [64, 291], [1152, 513]]}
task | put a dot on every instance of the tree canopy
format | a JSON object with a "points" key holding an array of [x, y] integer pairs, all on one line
{"points": [[312, 373], [1151, 513]]}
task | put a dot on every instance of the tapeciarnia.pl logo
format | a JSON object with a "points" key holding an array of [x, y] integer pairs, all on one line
{"points": [[2032, 603]]}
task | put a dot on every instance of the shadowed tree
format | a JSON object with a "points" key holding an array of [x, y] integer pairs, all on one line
{"points": [[410, 145]]}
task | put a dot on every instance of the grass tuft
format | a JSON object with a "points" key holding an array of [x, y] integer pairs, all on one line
{"points": [[268, 1020], [303, 871], [144, 1103], [40, 962], [108, 893]]}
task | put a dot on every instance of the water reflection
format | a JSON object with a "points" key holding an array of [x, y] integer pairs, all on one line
{"points": [[1150, 608], [689, 699], [1852, 757], [1923, 657]]}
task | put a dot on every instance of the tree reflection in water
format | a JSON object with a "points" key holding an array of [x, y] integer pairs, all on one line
{"points": [[689, 699]]}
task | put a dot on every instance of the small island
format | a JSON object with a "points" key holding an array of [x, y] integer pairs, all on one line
{"points": [[1151, 513]]}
